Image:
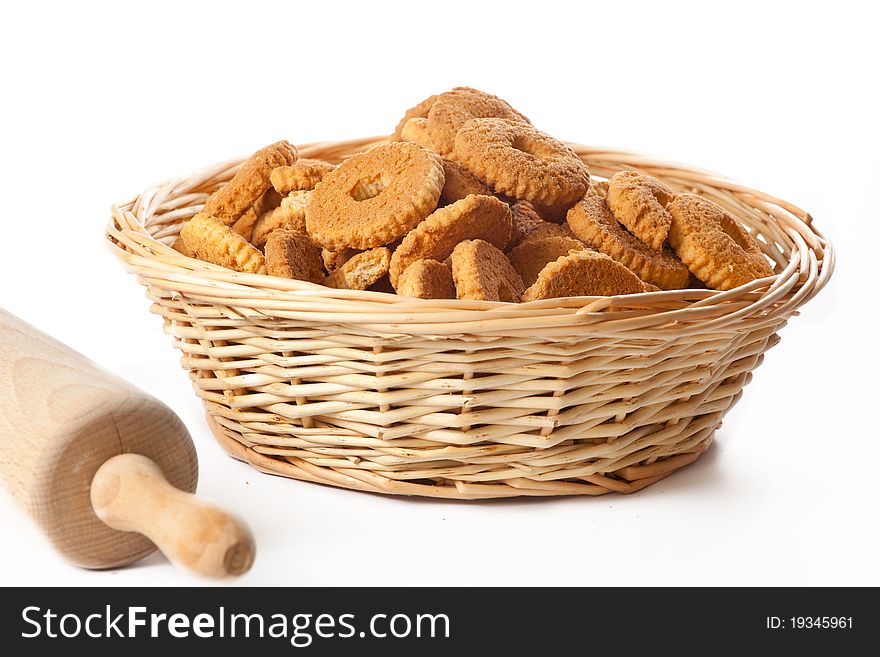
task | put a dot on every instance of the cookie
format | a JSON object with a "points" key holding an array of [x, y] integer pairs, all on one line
{"points": [[584, 273], [426, 279], [303, 175], [361, 271], [713, 244], [291, 254], [473, 217], [481, 272], [595, 225], [249, 183], [598, 188], [244, 225], [209, 239], [554, 214], [518, 160], [419, 111], [451, 110], [376, 197], [524, 221], [291, 214], [532, 255], [335, 259], [416, 131], [460, 183], [181, 247], [639, 203]]}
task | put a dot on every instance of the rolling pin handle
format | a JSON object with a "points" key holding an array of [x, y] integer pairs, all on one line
{"points": [[130, 493]]}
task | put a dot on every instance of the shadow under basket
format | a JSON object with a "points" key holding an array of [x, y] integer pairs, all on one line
{"points": [[467, 399]]}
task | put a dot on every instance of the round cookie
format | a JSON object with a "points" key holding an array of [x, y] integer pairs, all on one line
{"points": [[639, 203], [593, 223], [473, 217], [426, 279], [451, 110], [483, 273], [584, 273], [532, 255], [518, 160], [459, 181], [713, 244], [373, 198], [291, 254]]}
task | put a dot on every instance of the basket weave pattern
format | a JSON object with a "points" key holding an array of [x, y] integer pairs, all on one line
{"points": [[467, 399]]}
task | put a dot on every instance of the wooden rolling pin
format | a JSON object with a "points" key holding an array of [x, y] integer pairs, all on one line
{"points": [[105, 470]]}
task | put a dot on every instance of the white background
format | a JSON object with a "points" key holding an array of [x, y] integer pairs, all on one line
{"points": [[100, 101]]}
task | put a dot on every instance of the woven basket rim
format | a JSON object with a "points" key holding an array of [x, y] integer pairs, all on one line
{"points": [[804, 262]]}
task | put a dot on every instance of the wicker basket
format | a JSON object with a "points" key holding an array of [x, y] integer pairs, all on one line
{"points": [[467, 399]]}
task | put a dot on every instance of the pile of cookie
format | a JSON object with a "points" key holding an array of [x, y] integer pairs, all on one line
{"points": [[468, 200]]}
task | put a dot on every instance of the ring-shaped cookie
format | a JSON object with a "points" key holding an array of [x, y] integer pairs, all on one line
{"points": [[593, 223], [451, 110], [639, 203], [522, 162], [713, 244], [376, 197]]}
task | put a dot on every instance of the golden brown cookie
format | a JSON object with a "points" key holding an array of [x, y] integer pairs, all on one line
{"points": [[551, 230], [291, 214], [592, 223], [483, 273], [516, 159], [532, 255], [426, 279], [473, 217], [361, 271], [249, 183], [416, 131], [374, 198], [461, 183], [584, 273], [524, 221], [639, 203], [451, 110], [303, 175], [713, 244], [290, 254], [335, 259], [244, 225], [598, 188], [180, 246], [211, 240], [419, 111]]}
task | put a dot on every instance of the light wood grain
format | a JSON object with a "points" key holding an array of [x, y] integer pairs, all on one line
{"points": [[61, 418], [130, 494]]}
